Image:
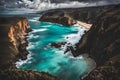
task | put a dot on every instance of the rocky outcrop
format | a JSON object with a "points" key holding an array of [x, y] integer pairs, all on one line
{"points": [[56, 17], [13, 43], [15, 74], [102, 43], [58, 44], [13, 31], [69, 16]]}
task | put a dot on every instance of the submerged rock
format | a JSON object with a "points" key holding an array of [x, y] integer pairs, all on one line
{"points": [[58, 44], [15, 74]]}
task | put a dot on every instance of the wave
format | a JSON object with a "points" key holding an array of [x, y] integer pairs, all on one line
{"points": [[20, 62], [74, 38], [39, 30]]}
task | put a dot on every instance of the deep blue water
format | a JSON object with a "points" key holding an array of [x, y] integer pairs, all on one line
{"points": [[42, 57]]}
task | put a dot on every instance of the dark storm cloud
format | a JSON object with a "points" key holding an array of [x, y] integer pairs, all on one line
{"points": [[58, 1], [14, 3]]}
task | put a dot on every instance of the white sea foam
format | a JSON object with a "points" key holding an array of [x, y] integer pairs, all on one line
{"points": [[39, 30], [35, 19], [31, 36], [71, 40], [31, 45], [74, 38], [20, 62]]}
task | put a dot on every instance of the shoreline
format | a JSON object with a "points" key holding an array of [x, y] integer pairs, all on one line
{"points": [[101, 42], [85, 45], [87, 60], [14, 31]]}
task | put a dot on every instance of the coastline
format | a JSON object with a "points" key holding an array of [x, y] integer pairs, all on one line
{"points": [[101, 42], [83, 46], [13, 44]]}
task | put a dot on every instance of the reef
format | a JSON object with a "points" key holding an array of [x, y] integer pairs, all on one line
{"points": [[101, 42], [13, 43]]}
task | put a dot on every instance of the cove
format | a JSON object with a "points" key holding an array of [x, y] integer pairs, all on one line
{"points": [[44, 58]]}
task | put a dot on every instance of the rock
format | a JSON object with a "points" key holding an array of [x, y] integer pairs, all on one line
{"points": [[15, 74], [69, 48], [102, 43], [58, 44], [13, 43], [69, 16]]}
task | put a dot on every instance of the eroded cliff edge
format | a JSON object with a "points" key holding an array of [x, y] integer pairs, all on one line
{"points": [[101, 42], [13, 43], [69, 16]]}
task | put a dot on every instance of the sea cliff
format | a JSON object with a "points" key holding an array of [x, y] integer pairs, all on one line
{"points": [[13, 43], [101, 42], [69, 16]]}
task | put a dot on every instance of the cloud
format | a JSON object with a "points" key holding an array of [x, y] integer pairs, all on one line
{"points": [[52, 4], [42, 5]]}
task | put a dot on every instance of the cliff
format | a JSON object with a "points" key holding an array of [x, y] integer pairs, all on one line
{"points": [[13, 43], [69, 16], [12, 33], [101, 42]]}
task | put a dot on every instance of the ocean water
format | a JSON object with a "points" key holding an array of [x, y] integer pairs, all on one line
{"points": [[45, 58]]}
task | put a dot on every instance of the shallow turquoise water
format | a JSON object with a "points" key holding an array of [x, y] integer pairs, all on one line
{"points": [[44, 58]]}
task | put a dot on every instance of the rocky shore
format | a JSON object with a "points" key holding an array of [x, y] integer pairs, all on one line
{"points": [[70, 16], [13, 43], [101, 42]]}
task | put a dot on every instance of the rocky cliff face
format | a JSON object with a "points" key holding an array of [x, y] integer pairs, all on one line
{"points": [[101, 42], [69, 16], [13, 32]]}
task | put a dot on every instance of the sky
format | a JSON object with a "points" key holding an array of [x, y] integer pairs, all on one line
{"points": [[36, 3], [26, 6]]}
